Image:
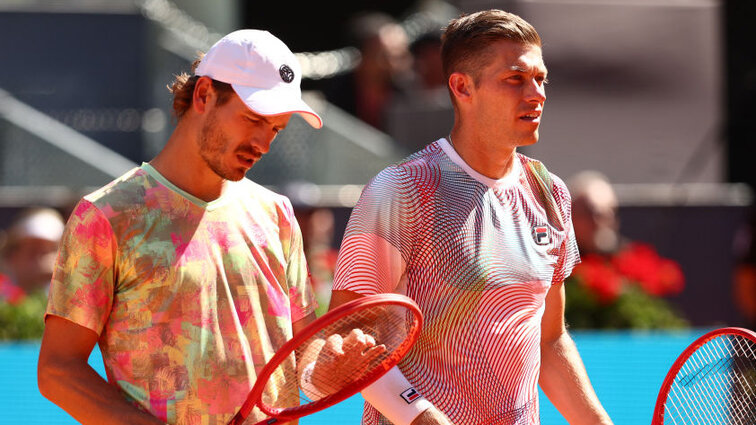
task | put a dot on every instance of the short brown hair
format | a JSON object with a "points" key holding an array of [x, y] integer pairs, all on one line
{"points": [[466, 39], [182, 88]]}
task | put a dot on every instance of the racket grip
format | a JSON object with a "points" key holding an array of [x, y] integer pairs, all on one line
{"points": [[236, 420]]}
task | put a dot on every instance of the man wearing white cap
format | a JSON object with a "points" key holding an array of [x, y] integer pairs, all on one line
{"points": [[187, 275], [28, 253]]}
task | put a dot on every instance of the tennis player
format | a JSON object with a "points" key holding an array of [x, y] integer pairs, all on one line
{"points": [[187, 275], [480, 236]]}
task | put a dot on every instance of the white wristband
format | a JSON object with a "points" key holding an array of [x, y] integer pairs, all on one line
{"points": [[305, 383], [396, 398]]}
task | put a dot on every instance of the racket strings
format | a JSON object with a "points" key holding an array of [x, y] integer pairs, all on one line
{"points": [[316, 370], [716, 385]]}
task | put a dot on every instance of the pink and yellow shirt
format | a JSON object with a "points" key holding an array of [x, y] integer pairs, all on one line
{"points": [[190, 299]]}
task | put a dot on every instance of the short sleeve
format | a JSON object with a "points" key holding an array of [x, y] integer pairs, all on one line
{"points": [[378, 239], [83, 279]]}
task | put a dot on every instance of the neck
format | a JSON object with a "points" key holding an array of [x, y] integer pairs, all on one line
{"points": [[180, 163], [483, 154]]}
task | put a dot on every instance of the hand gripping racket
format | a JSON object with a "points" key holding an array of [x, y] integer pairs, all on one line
{"points": [[712, 382], [393, 321]]}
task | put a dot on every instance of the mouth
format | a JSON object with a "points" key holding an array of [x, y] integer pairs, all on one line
{"points": [[532, 116], [247, 160]]}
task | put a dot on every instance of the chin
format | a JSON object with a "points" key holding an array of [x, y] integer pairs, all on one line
{"points": [[236, 176], [527, 141], [233, 175]]}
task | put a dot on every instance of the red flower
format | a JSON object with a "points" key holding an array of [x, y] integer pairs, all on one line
{"points": [[656, 275], [600, 277], [9, 292]]}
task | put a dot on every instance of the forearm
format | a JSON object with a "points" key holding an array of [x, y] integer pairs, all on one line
{"points": [[565, 382], [80, 390], [431, 416]]}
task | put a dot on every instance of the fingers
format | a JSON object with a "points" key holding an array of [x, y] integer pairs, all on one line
{"points": [[358, 341], [374, 353], [334, 344], [344, 359], [356, 348]]}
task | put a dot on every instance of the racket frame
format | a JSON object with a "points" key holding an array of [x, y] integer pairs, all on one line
{"points": [[658, 416], [253, 399]]}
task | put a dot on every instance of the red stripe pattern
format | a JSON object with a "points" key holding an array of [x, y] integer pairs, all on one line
{"points": [[464, 248]]}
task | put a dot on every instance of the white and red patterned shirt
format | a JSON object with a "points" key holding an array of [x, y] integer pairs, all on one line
{"points": [[478, 256]]}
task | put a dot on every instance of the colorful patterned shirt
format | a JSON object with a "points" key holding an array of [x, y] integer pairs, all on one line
{"points": [[190, 299], [478, 256]]}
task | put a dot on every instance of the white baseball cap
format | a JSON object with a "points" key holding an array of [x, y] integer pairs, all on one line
{"points": [[38, 223], [263, 72]]}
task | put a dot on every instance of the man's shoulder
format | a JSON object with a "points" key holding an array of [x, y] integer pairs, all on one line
{"points": [[426, 158], [538, 169], [250, 191], [129, 186], [122, 194], [418, 165], [549, 187]]}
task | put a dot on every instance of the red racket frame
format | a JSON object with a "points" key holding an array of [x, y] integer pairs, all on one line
{"points": [[658, 417], [316, 326]]}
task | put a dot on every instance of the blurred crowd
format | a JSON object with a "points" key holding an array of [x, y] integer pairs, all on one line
{"points": [[397, 76]]}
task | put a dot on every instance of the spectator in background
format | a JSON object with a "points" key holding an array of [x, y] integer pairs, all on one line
{"points": [[424, 110], [614, 270], [426, 54], [384, 68], [594, 213], [28, 254]]}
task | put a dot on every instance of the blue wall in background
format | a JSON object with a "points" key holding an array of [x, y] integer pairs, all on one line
{"points": [[626, 368]]}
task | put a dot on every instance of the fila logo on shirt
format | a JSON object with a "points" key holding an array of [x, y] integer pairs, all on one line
{"points": [[410, 395], [541, 235]]}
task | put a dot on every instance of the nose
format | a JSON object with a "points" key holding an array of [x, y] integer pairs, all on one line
{"points": [[536, 91], [263, 140]]}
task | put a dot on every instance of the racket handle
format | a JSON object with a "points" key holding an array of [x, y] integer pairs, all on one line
{"points": [[238, 419]]}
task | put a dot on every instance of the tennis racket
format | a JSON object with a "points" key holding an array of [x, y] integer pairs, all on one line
{"points": [[390, 322], [712, 382]]}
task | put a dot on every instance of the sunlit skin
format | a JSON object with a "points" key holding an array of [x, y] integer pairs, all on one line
{"points": [[502, 109], [213, 144], [233, 138]]}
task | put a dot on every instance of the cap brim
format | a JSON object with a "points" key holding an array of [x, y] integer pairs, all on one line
{"points": [[277, 102]]}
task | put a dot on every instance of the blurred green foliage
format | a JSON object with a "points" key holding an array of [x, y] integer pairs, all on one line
{"points": [[633, 308], [23, 320]]}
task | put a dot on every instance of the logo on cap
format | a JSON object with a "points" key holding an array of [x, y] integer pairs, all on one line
{"points": [[286, 73]]}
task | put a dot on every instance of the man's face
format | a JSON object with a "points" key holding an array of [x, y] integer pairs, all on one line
{"points": [[32, 261], [387, 55], [233, 138], [510, 92]]}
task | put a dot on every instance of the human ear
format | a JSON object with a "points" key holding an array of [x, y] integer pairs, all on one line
{"points": [[203, 93], [460, 85]]}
